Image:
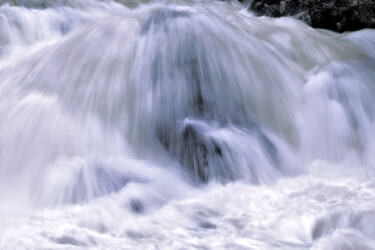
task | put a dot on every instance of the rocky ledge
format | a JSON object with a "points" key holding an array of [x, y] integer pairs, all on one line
{"points": [[336, 15]]}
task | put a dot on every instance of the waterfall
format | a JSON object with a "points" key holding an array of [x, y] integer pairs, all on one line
{"points": [[126, 120]]}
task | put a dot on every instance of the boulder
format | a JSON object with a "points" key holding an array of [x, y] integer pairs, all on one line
{"points": [[336, 15]]}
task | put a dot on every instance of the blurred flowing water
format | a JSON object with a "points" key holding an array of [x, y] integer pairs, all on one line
{"points": [[182, 125]]}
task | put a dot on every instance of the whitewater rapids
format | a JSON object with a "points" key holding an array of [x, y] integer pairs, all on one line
{"points": [[182, 125]]}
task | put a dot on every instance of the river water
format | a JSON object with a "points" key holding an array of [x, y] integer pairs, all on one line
{"points": [[182, 125]]}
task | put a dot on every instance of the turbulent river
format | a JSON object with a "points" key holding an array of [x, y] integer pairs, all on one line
{"points": [[182, 125]]}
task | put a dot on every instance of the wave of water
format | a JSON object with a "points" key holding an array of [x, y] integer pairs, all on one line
{"points": [[172, 125]]}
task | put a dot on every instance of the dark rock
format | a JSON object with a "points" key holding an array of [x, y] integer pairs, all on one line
{"points": [[218, 150], [343, 15], [197, 152], [336, 15], [208, 159]]}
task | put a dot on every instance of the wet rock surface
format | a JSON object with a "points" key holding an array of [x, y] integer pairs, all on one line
{"points": [[336, 15]]}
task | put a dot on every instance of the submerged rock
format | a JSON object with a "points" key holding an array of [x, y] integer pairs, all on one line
{"points": [[196, 149], [136, 206], [336, 15]]}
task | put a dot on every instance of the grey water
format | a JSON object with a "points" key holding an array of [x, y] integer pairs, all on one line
{"points": [[182, 125]]}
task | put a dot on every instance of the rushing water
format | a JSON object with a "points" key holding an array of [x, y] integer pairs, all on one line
{"points": [[182, 125]]}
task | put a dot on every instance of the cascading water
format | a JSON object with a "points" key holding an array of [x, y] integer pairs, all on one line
{"points": [[182, 125]]}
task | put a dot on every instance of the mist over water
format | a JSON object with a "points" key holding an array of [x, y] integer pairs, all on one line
{"points": [[182, 125]]}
